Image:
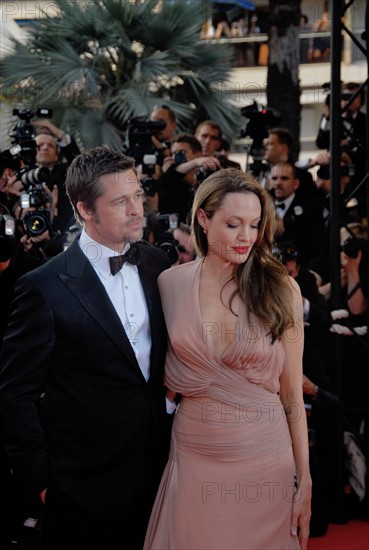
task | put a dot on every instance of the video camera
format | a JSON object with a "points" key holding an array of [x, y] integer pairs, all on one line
{"points": [[139, 145], [24, 133], [138, 139], [260, 119]]}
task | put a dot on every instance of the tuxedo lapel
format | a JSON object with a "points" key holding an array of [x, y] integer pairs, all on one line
{"points": [[84, 284]]}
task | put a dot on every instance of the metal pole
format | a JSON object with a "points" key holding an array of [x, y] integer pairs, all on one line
{"points": [[335, 200]]}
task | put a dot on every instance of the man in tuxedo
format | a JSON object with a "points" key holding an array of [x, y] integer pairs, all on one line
{"points": [[299, 218], [81, 380]]}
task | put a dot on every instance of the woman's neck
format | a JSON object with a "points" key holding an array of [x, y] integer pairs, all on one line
{"points": [[218, 269]]}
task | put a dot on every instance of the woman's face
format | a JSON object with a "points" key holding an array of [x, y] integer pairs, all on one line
{"points": [[234, 228]]}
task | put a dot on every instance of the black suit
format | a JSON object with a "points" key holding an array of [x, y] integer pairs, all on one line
{"points": [[304, 225], [100, 446]]}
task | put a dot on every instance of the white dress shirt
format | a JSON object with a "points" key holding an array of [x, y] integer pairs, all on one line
{"points": [[126, 294], [287, 203]]}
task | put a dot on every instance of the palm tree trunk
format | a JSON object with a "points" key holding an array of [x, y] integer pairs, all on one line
{"points": [[283, 87]]}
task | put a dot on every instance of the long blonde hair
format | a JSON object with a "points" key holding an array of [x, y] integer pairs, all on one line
{"points": [[262, 280]]}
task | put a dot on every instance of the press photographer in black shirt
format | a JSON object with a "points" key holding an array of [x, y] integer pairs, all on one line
{"points": [[182, 171]]}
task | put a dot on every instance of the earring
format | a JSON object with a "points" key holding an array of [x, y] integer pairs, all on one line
{"points": [[205, 230]]}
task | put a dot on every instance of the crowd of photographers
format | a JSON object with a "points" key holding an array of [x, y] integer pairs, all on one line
{"points": [[37, 222]]}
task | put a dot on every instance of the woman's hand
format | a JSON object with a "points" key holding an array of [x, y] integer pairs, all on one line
{"points": [[301, 513]]}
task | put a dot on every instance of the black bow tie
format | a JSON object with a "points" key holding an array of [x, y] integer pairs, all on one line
{"points": [[132, 256], [281, 205]]}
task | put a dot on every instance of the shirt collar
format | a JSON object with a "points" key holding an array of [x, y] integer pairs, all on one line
{"points": [[98, 254], [288, 201]]}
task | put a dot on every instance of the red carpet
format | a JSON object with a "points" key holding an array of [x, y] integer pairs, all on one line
{"points": [[353, 535]]}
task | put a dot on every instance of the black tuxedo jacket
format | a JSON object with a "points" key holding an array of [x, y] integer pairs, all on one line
{"points": [[304, 225], [78, 413]]}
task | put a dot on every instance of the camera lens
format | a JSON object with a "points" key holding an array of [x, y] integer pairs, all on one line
{"points": [[350, 247], [324, 173], [36, 223], [35, 175], [180, 157]]}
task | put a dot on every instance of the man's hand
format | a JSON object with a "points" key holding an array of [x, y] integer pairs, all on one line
{"points": [[56, 132], [13, 187], [29, 241]]}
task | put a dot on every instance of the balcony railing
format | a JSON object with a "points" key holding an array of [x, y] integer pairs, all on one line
{"points": [[252, 50]]}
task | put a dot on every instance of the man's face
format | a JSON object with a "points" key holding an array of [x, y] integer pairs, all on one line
{"points": [[274, 150], [117, 218], [209, 138], [355, 106], [47, 151], [167, 134], [283, 181]]}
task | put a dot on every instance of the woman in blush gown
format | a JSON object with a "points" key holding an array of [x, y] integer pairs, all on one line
{"points": [[237, 477]]}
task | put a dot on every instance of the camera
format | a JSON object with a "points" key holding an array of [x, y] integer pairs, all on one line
{"points": [[351, 247], [285, 252], [24, 133], [149, 184], [346, 170], [36, 223], [138, 139], [202, 173], [22, 157], [260, 118], [180, 157], [159, 229], [10, 158]]}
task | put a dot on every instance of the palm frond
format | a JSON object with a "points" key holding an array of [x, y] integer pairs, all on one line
{"points": [[101, 63], [155, 66]]}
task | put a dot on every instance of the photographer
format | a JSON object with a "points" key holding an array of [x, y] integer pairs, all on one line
{"points": [[354, 270], [209, 134], [352, 208], [163, 138], [53, 144], [33, 160], [353, 119], [34, 214], [185, 168], [353, 127]]}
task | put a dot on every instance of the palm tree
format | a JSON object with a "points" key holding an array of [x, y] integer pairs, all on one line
{"points": [[100, 64], [283, 86]]}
